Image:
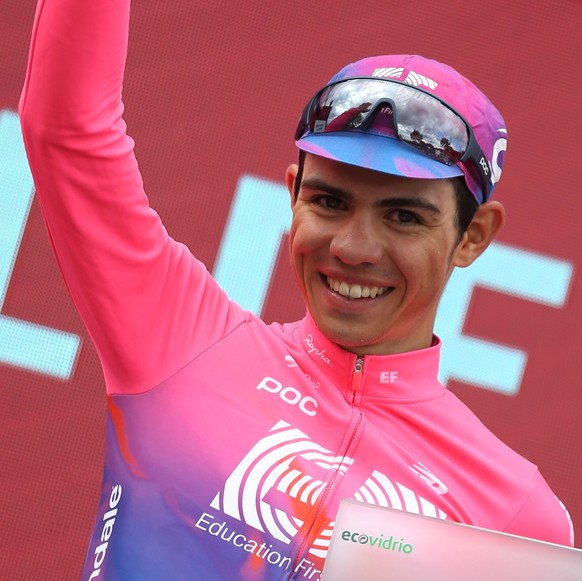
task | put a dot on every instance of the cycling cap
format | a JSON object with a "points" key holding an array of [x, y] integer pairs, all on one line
{"points": [[409, 116]]}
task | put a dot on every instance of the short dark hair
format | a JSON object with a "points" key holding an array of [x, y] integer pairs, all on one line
{"points": [[299, 176], [466, 203]]}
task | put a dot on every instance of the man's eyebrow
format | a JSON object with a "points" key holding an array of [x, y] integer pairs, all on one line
{"points": [[410, 202], [314, 183], [395, 202]]}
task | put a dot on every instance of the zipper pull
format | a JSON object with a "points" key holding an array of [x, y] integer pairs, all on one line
{"points": [[357, 377]]}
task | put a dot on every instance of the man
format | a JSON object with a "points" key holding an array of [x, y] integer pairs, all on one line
{"points": [[229, 442]]}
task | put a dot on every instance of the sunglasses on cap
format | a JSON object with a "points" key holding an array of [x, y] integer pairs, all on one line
{"points": [[400, 111]]}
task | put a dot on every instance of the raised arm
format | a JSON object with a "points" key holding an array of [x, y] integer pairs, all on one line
{"points": [[137, 290]]}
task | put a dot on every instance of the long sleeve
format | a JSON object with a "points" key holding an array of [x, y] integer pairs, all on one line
{"points": [[137, 290]]}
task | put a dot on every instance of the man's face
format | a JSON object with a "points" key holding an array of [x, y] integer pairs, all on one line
{"points": [[372, 253]]}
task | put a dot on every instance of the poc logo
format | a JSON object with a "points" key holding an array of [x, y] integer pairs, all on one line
{"points": [[290, 395]]}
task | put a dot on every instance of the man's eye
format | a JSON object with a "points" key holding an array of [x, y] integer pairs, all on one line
{"points": [[330, 202], [406, 217]]}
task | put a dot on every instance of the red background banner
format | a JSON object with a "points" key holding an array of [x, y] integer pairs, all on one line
{"points": [[213, 91]]}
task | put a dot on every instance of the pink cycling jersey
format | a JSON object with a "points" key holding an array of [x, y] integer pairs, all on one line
{"points": [[230, 442]]}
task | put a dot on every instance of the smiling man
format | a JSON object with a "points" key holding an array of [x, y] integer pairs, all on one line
{"points": [[372, 252], [230, 443], [391, 194]]}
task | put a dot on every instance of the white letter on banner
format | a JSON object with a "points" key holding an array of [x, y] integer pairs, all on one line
{"points": [[23, 344], [260, 216], [512, 271]]}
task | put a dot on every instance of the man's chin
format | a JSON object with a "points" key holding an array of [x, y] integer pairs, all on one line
{"points": [[348, 337]]}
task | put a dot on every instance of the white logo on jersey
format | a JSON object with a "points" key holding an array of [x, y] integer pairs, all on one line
{"points": [[107, 530], [287, 464], [290, 395], [313, 349], [427, 476], [388, 376], [291, 363]]}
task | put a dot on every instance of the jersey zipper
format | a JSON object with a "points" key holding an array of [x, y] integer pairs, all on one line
{"points": [[356, 384], [322, 502], [357, 378]]}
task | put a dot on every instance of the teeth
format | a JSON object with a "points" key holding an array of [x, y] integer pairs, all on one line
{"points": [[355, 291]]}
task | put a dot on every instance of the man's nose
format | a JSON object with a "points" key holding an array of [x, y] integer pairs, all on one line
{"points": [[357, 241]]}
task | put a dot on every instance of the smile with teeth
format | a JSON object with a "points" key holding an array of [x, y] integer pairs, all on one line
{"points": [[355, 291]]}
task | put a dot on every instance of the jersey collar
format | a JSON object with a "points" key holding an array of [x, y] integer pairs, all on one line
{"points": [[404, 377]]}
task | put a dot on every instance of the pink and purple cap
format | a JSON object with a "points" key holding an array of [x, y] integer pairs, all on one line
{"points": [[395, 156]]}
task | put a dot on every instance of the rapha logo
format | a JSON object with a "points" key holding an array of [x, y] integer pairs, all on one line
{"points": [[283, 476], [312, 349]]}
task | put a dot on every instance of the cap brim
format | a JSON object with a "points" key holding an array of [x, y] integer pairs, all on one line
{"points": [[376, 152]]}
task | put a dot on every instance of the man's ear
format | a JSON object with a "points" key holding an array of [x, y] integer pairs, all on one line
{"points": [[487, 221], [290, 178]]}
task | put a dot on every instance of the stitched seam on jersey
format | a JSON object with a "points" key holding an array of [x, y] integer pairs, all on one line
{"points": [[190, 361], [526, 500]]}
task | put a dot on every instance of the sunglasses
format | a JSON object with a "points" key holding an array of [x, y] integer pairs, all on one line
{"points": [[400, 111]]}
